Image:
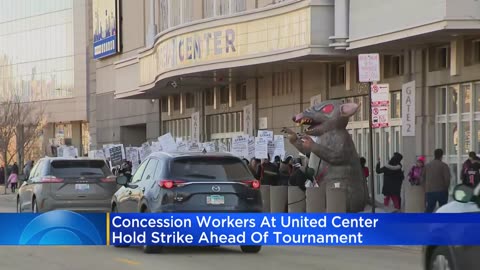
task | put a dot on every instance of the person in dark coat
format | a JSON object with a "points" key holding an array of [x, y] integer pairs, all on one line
{"points": [[268, 173], [2, 175], [392, 180], [285, 171], [298, 177]]}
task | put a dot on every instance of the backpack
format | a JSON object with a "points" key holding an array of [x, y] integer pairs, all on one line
{"points": [[415, 175], [473, 174]]}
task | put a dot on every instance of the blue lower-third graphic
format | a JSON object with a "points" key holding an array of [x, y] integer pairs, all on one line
{"points": [[54, 228]]}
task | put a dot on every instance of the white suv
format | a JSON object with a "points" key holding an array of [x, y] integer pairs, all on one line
{"points": [[466, 200]]}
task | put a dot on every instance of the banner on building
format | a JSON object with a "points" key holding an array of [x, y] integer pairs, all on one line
{"points": [[408, 109], [380, 105], [106, 28], [248, 120], [196, 127]]}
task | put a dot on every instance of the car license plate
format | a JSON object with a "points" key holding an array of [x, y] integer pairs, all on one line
{"points": [[82, 187], [215, 200]]}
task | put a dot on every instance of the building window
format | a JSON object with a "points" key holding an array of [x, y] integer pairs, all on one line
{"points": [[224, 95], [472, 51], [241, 92], [209, 98], [396, 104], [222, 7], [392, 66], [439, 58], [208, 8], [466, 98], [176, 102], [163, 25], [239, 5], [187, 10], [337, 74], [454, 118], [189, 100], [164, 104], [282, 83]]}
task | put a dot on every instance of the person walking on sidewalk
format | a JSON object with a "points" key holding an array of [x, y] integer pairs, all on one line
{"points": [[436, 181], [12, 181], [392, 180]]}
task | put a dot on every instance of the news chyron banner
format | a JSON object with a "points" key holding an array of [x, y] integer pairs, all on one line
{"points": [[202, 229]]}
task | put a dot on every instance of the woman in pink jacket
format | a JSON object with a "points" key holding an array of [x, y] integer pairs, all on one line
{"points": [[12, 181]]}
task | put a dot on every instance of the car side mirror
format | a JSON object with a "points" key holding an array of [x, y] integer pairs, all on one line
{"points": [[463, 193], [123, 180]]}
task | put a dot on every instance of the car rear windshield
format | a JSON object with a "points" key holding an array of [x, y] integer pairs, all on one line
{"points": [[209, 169], [77, 168]]}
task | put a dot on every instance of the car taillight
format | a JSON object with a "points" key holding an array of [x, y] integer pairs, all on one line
{"points": [[109, 179], [51, 179], [168, 184], [255, 184]]}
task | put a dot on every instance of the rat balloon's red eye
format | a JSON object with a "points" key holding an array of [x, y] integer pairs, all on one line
{"points": [[328, 109]]}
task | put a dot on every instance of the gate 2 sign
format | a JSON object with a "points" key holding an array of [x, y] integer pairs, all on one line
{"points": [[408, 109]]}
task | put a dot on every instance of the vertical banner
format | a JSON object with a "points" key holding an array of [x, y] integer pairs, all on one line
{"points": [[195, 127], [106, 32], [380, 105], [408, 109], [248, 120]]}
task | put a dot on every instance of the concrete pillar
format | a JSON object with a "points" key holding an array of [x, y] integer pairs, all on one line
{"points": [[296, 200], [265, 190], [278, 199], [315, 200], [77, 136], [414, 198], [336, 197]]}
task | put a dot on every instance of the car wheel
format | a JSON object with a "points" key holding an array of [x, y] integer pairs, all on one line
{"points": [[19, 206], [441, 259], [152, 249], [115, 210], [251, 249], [34, 206]]}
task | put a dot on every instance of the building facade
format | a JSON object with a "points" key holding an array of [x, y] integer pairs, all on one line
{"points": [[224, 58], [43, 61]]}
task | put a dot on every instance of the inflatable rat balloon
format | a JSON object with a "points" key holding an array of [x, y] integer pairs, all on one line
{"points": [[340, 161]]}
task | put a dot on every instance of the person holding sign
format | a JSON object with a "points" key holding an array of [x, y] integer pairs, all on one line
{"points": [[268, 173]]}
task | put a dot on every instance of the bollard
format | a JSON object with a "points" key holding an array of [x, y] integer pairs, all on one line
{"points": [[278, 199], [336, 197], [296, 200], [315, 202], [414, 199], [265, 190]]}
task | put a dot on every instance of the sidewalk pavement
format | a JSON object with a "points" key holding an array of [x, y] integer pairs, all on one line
{"points": [[9, 196]]}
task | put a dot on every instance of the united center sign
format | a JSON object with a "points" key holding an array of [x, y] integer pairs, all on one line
{"points": [[235, 41]]}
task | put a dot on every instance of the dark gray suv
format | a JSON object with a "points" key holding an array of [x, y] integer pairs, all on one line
{"points": [[83, 185], [189, 182]]}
